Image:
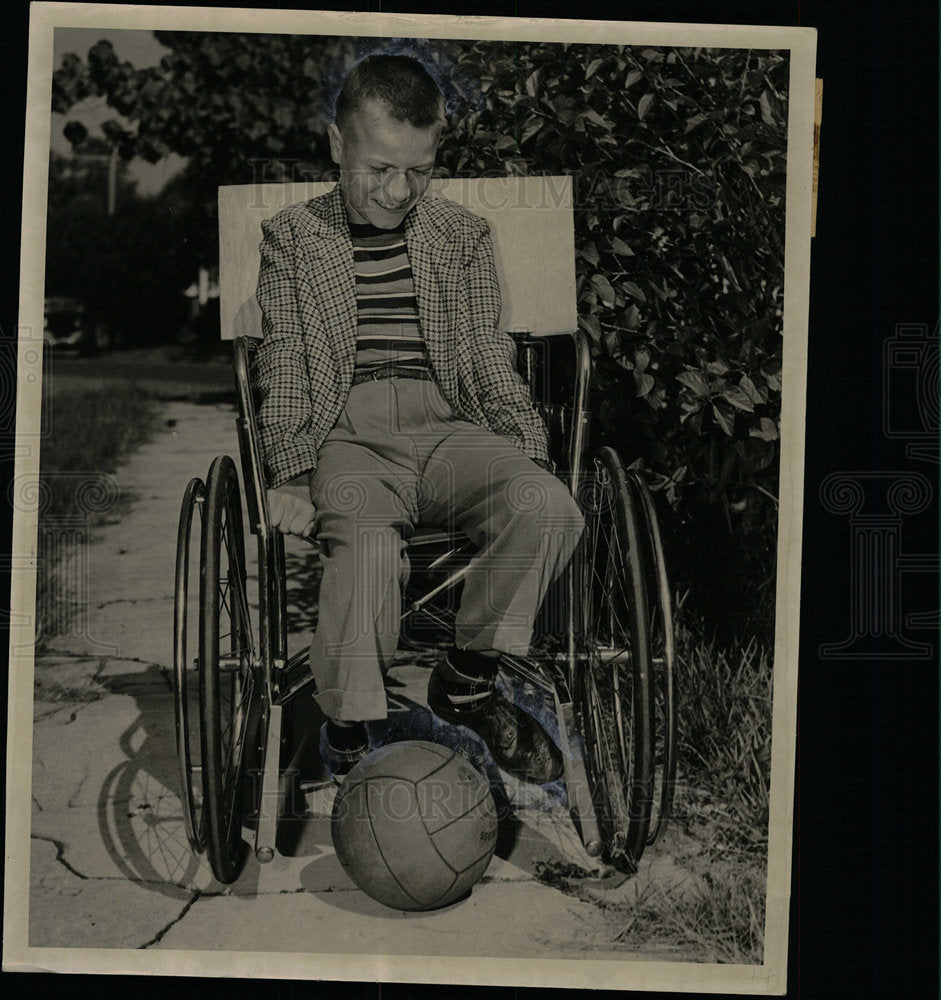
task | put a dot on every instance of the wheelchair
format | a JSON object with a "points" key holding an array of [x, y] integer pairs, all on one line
{"points": [[602, 659]]}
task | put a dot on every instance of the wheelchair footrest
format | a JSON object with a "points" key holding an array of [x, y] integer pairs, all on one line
{"points": [[270, 801], [576, 781]]}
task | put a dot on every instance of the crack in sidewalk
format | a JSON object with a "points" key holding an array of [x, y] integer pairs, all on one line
{"points": [[60, 847], [43, 716], [54, 654], [163, 931], [70, 803], [198, 894], [133, 600]]}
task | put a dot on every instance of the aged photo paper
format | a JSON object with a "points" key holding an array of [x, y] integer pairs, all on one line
{"points": [[100, 877]]}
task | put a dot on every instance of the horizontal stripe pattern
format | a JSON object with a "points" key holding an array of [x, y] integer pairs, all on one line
{"points": [[388, 328]]}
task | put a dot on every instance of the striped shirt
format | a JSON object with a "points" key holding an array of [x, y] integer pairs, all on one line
{"points": [[388, 329]]}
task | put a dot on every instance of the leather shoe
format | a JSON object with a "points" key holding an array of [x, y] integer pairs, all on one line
{"points": [[518, 744]]}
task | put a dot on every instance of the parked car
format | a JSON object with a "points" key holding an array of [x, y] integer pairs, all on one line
{"points": [[67, 323]]}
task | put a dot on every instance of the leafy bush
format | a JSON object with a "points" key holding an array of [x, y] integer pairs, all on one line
{"points": [[678, 163]]}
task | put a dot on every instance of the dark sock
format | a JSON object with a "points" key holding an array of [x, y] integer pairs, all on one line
{"points": [[346, 735], [467, 677]]}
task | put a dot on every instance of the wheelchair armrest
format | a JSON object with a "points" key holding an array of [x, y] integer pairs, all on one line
{"points": [[256, 491], [557, 369]]}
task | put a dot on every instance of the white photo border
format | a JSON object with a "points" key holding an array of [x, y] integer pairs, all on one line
{"points": [[622, 974]]}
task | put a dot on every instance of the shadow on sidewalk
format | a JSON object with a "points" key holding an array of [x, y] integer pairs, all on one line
{"points": [[140, 811]]}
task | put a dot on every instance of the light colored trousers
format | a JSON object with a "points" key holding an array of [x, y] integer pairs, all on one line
{"points": [[399, 458]]}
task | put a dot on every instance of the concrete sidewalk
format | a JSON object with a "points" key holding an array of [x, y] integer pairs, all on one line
{"points": [[110, 864]]}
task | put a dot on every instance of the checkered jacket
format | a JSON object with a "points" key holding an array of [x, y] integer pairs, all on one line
{"points": [[303, 369]]}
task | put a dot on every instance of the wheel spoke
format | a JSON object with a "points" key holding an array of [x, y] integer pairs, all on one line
{"points": [[233, 590], [235, 753], [237, 705], [238, 581]]}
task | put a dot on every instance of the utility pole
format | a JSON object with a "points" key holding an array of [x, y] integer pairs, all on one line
{"points": [[112, 159], [112, 179]]}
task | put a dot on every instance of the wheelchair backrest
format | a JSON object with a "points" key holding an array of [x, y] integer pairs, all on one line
{"points": [[533, 232]]}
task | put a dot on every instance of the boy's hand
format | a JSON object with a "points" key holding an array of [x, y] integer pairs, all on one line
{"points": [[291, 511]]}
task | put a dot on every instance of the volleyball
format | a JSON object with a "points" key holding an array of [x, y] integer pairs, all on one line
{"points": [[414, 825]]}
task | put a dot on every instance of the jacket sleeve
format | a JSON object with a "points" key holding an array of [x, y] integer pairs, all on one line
{"points": [[502, 391], [279, 368]]}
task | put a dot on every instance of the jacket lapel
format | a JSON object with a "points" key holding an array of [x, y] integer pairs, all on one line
{"points": [[329, 250], [432, 256]]}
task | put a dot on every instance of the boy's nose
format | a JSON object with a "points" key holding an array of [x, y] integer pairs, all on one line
{"points": [[397, 190]]}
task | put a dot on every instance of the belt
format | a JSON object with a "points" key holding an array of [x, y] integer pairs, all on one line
{"points": [[393, 371]]}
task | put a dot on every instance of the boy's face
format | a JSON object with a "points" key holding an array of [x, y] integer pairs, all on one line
{"points": [[385, 165]]}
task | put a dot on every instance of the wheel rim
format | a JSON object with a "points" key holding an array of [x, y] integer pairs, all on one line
{"points": [[228, 688], [186, 665], [613, 678]]}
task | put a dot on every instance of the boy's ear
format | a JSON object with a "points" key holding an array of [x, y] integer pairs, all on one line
{"points": [[336, 142]]}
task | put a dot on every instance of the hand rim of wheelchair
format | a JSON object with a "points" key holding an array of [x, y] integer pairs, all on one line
{"points": [[184, 665], [228, 733]]}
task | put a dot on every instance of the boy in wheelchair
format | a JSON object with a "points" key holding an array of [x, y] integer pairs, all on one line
{"points": [[388, 400]]}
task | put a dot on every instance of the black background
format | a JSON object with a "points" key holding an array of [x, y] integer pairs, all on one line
{"points": [[864, 893]]}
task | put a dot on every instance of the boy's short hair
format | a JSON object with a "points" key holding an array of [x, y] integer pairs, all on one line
{"points": [[401, 82]]}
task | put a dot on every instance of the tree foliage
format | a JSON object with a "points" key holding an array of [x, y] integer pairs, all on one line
{"points": [[240, 107]]}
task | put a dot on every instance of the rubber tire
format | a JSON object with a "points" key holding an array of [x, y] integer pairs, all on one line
{"points": [[228, 697], [663, 649], [614, 699]]}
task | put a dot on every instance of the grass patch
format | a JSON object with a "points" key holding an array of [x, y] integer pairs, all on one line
{"points": [[724, 709], [717, 911], [54, 692], [89, 432], [720, 917], [724, 712]]}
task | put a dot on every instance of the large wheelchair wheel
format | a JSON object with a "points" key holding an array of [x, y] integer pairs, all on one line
{"points": [[229, 701], [660, 625], [186, 664], [612, 682]]}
